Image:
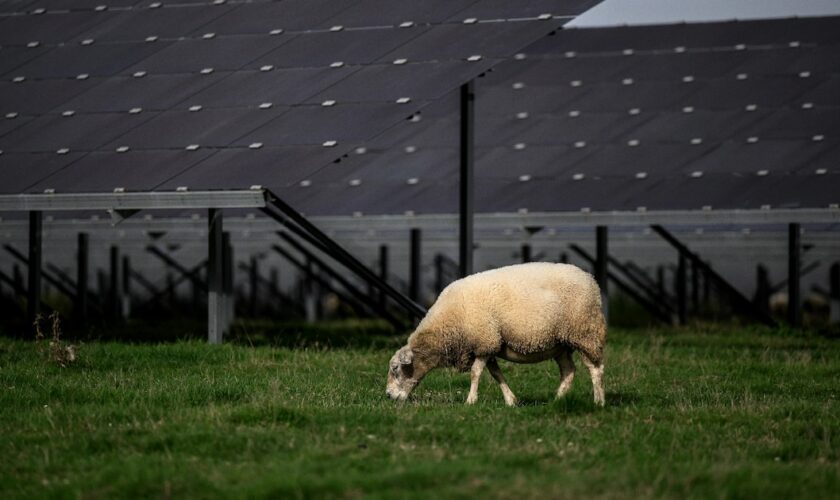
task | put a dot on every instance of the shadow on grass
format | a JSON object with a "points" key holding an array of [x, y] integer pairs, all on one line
{"points": [[348, 334], [575, 404], [342, 334]]}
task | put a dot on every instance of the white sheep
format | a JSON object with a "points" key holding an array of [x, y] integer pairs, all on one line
{"points": [[523, 313]]}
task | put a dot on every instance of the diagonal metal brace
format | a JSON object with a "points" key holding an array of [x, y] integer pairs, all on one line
{"points": [[655, 311], [300, 225], [190, 274], [739, 301]]}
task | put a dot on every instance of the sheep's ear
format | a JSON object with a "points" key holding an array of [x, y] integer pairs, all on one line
{"points": [[406, 356]]}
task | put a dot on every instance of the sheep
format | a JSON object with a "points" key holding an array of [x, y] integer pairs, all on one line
{"points": [[523, 313]]}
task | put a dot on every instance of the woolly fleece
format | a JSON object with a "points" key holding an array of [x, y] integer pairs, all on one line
{"points": [[527, 308]]}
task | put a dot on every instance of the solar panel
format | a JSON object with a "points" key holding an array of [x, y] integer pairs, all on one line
{"points": [[650, 117], [15, 6], [149, 93], [698, 127], [459, 41], [242, 168], [276, 86], [12, 58], [98, 60], [191, 56], [288, 15], [164, 24], [502, 9], [530, 164], [422, 81], [813, 124], [21, 171], [50, 28], [40, 96], [346, 47], [80, 132], [391, 13], [348, 107], [203, 127], [128, 170], [320, 124]]}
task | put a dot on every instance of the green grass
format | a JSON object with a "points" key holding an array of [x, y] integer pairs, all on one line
{"points": [[723, 413]]}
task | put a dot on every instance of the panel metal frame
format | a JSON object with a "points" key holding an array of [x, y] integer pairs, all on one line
{"points": [[151, 200]]}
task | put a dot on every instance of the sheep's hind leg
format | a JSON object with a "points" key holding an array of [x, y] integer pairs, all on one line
{"points": [[510, 399], [596, 371], [567, 372], [475, 376]]}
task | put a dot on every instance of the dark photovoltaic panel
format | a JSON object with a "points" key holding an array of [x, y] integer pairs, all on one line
{"points": [[724, 115], [109, 168], [95, 61], [29, 168], [151, 92], [281, 86], [347, 107], [40, 96], [146, 95], [77, 133]]}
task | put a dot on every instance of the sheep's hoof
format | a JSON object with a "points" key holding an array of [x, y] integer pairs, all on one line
{"points": [[471, 400], [512, 402]]}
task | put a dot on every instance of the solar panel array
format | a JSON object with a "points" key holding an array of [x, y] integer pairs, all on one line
{"points": [[708, 116], [220, 94], [347, 107]]}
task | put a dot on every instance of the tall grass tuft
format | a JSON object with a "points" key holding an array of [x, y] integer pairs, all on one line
{"points": [[55, 350]]}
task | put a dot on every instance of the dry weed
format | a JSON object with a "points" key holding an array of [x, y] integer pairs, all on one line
{"points": [[56, 351]]}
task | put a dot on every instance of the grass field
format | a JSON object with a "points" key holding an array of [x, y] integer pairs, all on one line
{"points": [[690, 413]]}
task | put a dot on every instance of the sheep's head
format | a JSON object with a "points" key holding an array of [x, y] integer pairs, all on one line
{"points": [[402, 374]]}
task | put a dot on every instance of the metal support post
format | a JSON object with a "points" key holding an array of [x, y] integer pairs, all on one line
{"points": [[695, 287], [82, 279], [438, 274], [309, 292], [564, 258], [126, 287], [414, 269], [33, 303], [383, 272], [114, 290], [682, 307], [17, 277], [274, 281], [834, 293], [660, 280], [215, 255], [467, 153], [794, 262], [253, 292], [601, 253], [227, 281], [762, 288], [102, 290], [526, 253]]}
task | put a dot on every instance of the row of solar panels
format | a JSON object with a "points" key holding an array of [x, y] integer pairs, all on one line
{"points": [[724, 115]]}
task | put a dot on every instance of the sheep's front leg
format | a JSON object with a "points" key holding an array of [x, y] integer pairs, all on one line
{"points": [[510, 399], [475, 376]]}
